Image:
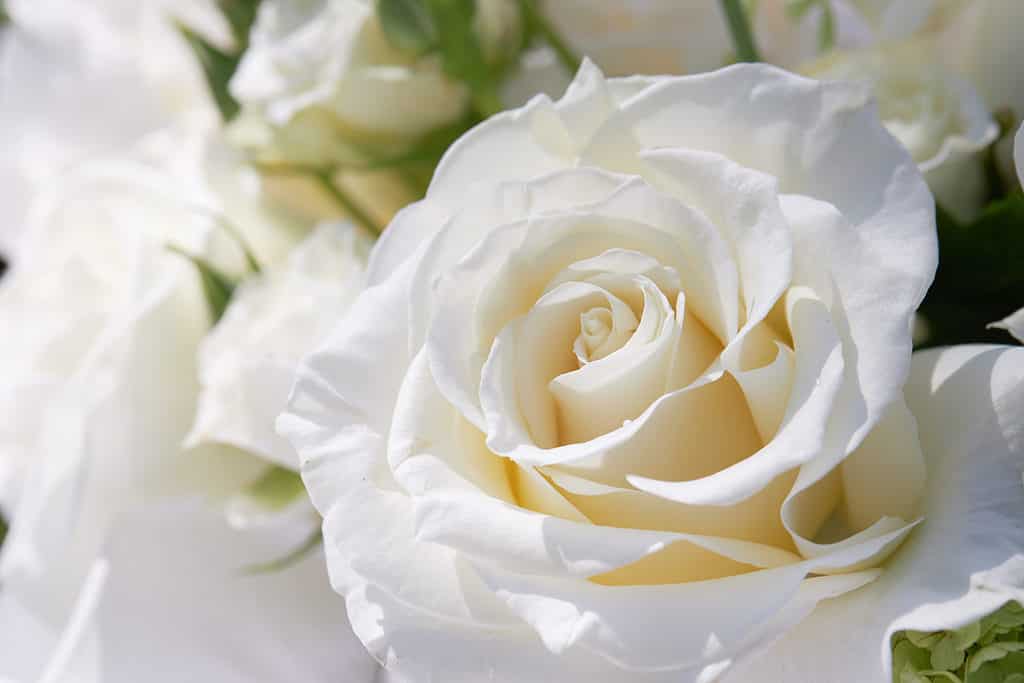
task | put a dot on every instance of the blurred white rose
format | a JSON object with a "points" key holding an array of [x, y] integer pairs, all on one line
{"points": [[247, 363], [983, 44], [321, 84], [627, 405], [936, 115], [83, 79], [120, 564]]}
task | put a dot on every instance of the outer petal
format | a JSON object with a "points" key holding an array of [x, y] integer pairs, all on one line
{"points": [[247, 362], [966, 559], [58, 70], [168, 601]]}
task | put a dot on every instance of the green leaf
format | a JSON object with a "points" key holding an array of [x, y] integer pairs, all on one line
{"points": [[946, 656], [3, 529], [740, 30], [240, 15], [408, 25], [217, 287], [907, 659], [275, 489], [1005, 669], [218, 68], [462, 56]]}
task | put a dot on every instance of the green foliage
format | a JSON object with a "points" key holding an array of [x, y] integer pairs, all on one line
{"points": [[219, 64], [987, 651], [981, 274], [740, 30], [448, 29], [240, 15]]}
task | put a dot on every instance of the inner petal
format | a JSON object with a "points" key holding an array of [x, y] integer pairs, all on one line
{"points": [[599, 396], [596, 340]]}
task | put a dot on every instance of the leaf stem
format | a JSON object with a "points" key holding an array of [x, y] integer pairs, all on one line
{"points": [[350, 206], [569, 59], [739, 27]]}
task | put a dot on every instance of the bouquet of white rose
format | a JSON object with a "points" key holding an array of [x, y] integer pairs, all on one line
{"points": [[512, 340]]}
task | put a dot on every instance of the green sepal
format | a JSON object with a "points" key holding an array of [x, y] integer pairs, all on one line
{"points": [[218, 68], [275, 489], [408, 25], [240, 15], [217, 287]]}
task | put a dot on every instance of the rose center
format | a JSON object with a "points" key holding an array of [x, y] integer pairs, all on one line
{"points": [[598, 335]]}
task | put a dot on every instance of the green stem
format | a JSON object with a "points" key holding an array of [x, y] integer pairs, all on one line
{"points": [[354, 211], [739, 27], [551, 36], [236, 234]]}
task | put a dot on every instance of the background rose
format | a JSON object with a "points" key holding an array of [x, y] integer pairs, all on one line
{"points": [[937, 116], [104, 325], [62, 68], [247, 362], [322, 84], [607, 405]]}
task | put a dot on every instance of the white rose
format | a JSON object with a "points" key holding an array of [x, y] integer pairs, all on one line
{"points": [[321, 84], [659, 37], [937, 116], [968, 558], [983, 44], [62, 66], [624, 397], [325, 75], [112, 570], [247, 363]]}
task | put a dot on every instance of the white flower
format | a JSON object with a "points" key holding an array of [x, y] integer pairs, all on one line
{"points": [[110, 571], [64, 66], [247, 363], [325, 69], [321, 84], [624, 398], [983, 44], [937, 116], [968, 558]]}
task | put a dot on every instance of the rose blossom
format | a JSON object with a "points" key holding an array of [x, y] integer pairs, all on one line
{"points": [[63, 63], [248, 360], [120, 564], [624, 397], [938, 117], [320, 84]]}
